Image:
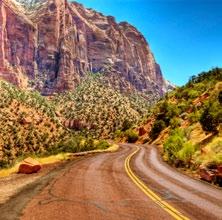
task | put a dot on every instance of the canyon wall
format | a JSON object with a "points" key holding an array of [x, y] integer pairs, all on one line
{"points": [[50, 45]]}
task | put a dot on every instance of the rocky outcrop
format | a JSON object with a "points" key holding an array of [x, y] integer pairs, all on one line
{"points": [[50, 45]]}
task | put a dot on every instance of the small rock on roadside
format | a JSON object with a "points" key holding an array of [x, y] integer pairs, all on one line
{"points": [[29, 166]]}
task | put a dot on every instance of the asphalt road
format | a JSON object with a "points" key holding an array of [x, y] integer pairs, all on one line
{"points": [[132, 183]]}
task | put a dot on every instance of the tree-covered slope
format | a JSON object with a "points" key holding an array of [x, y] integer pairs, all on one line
{"points": [[69, 122], [98, 110], [28, 123], [187, 122]]}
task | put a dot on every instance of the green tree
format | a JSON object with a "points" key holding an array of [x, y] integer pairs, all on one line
{"points": [[207, 121], [174, 144], [186, 153], [220, 97], [211, 116], [158, 126], [132, 136]]}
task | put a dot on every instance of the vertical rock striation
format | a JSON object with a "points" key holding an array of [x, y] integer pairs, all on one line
{"points": [[50, 45]]}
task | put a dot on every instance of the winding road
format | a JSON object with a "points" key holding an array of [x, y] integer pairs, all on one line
{"points": [[130, 184]]}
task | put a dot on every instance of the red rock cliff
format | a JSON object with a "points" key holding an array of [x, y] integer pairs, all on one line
{"points": [[51, 44]]}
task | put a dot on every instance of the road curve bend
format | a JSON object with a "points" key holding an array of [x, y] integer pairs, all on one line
{"points": [[194, 198], [99, 187]]}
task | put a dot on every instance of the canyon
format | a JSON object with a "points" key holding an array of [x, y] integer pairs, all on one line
{"points": [[51, 45]]}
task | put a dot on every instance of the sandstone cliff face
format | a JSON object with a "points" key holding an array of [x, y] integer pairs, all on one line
{"points": [[50, 45]]}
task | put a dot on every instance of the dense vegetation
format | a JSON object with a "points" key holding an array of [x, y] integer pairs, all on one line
{"points": [[99, 109], [30, 125], [188, 120], [69, 122]]}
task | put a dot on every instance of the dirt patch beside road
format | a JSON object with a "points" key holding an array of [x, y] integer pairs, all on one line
{"points": [[14, 183], [18, 189]]}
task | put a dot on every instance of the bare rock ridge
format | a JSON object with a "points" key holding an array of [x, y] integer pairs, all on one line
{"points": [[50, 45]]}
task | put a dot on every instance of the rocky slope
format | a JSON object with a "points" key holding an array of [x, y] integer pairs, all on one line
{"points": [[50, 45]]}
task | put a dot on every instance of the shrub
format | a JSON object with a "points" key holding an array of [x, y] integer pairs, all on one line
{"points": [[102, 145], [126, 125], [194, 116], [70, 145], [217, 159], [175, 122], [211, 116], [118, 134], [3, 163], [183, 106], [132, 136], [177, 149], [217, 146], [186, 153], [158, 126], [88, 145], [207, 121], [167, 111], [193, 93], [174, 144], [78, 144], [220, 97]]}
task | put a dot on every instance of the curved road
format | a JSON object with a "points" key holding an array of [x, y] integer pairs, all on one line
{"points": [[100, 187]]}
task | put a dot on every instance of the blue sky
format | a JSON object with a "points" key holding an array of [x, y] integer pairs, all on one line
{"points": [[184, 35]]}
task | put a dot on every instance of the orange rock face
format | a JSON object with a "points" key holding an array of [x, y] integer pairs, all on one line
{"points": [[29, 166], [53, 44]]}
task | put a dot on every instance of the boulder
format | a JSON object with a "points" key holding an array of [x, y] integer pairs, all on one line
{"points": [[206, 174], [142, 131], [29, 165]]}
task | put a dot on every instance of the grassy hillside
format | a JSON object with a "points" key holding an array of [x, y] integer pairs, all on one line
{"points": [[187, 122]]}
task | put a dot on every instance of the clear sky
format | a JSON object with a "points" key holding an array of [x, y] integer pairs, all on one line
{"points": [[184, 35]]}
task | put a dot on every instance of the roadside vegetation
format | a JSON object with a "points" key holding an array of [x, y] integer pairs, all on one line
{"points": [[187, 122]]}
